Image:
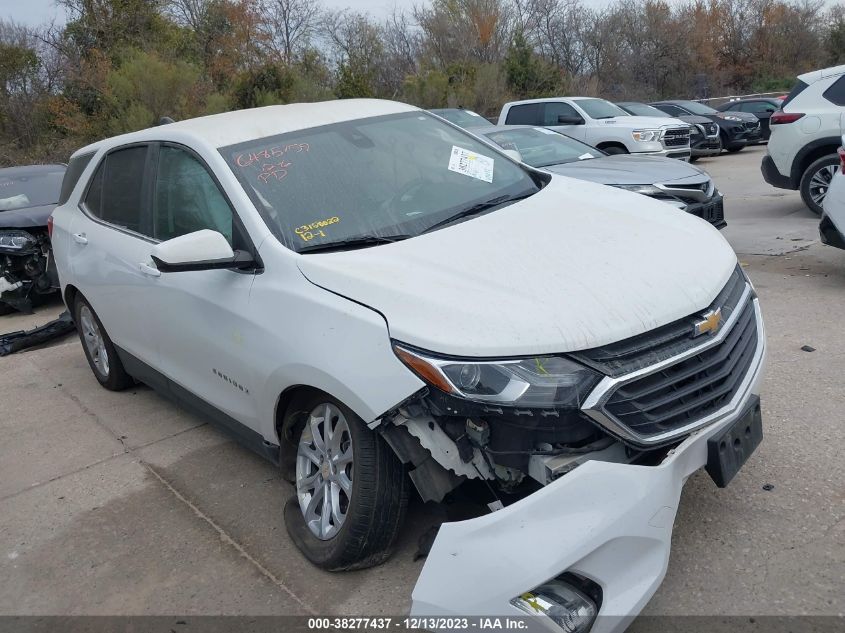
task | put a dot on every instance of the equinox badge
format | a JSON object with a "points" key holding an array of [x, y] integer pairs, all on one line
{"points": [[709, 323]]}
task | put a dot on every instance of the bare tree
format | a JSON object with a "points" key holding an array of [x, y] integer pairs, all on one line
{"points": [[289, 25]]}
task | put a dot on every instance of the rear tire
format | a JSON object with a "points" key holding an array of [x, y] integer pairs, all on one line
{"points": [[816, 181], [351, 489], [99, 349]]}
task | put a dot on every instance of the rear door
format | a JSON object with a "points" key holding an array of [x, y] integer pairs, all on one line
{"points": [[200, 319], [108, 241]]}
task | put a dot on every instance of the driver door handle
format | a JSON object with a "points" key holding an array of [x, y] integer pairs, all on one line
{"points": [[148, 270], [80, 238]]}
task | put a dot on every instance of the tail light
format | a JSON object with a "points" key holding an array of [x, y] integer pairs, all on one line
{"points": [[780, 117], [50, 226], [842, 160]]}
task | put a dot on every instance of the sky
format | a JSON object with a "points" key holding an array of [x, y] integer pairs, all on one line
{"points": [[35, 12]]}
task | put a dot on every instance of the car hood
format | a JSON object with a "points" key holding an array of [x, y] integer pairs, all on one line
{"points": [[26, 218], [745, 116], [574, 266], [626, 169]]}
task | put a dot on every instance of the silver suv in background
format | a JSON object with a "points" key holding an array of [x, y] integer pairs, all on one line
{"points": [[805, 136]]}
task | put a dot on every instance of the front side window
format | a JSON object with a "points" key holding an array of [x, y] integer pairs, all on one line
{"points": [[115, 194], [187, 198], [600, 109], [671, 110], [541, 148], [555, 109], [392, 176]]}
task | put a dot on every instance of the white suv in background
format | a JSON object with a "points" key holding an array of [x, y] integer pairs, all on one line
{"points": [[806, 134], [603, 125]]}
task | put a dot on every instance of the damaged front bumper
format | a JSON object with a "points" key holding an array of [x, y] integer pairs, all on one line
{"points": [[610, 523]]}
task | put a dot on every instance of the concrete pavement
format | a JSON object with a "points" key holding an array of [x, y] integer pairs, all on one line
{"points": [[124, 504]]}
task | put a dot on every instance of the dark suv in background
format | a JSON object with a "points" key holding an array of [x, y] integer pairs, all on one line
{"points": [[736, 129], [704, 134], [761, 107]]}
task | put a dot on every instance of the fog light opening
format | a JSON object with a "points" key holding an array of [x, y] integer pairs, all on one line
{"points": [[568, 607]]}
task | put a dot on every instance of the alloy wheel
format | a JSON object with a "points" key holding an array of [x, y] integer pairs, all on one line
{"points": [[324, 461], [94, 341], [820, 183]]}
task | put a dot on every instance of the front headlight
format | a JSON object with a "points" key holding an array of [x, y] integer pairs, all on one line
{"points": [[16, 240], [541, 381], [729, 117], [646, 136], [646, 190]]}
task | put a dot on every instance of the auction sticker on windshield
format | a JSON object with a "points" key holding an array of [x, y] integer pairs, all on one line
{"points": [[471, 164]]}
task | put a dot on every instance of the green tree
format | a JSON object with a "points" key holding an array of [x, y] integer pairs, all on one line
{"points": [[527, 74]]}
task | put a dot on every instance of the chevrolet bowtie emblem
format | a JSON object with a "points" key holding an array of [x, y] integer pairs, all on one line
{"points": [[709, 323]]}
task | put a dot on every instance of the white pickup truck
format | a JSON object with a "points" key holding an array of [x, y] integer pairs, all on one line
{"points": [[603, 125]]}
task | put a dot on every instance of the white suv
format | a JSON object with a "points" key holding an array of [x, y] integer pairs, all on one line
{"points": [[806, 134], [375, 299], [603, 125]]}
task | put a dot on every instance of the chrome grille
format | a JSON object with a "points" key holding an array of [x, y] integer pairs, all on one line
{"points": [[676, 137], [661, 404]]}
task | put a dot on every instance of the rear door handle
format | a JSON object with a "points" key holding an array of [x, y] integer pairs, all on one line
{"points": [[151, 271], [80, 238]]}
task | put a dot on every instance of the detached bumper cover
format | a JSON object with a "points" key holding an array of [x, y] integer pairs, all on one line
{"points": [[609, 522]]}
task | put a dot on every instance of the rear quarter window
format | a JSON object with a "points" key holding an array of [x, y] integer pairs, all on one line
{"points": [[836, 92], [797, 89], [74, 170]]}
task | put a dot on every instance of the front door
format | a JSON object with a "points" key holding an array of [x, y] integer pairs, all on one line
{"points": [[200, 319]]}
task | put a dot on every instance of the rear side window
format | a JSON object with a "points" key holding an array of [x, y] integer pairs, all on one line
{"points": [[797, 89], [527, 114], [836, 92], [116, 191], [74, 170]]}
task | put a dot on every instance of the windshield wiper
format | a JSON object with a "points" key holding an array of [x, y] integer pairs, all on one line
{"points": [[360, 241], [477, 208]]}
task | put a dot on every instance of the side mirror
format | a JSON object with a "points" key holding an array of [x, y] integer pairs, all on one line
{"points": [[513, 154], [567, 119], [200, 250]]}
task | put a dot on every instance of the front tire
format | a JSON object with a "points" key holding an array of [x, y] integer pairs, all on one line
{"points": [[614, 149], [99, 349], [816, 181], [351, 490]]}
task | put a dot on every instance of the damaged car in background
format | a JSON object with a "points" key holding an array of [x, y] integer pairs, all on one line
{"points": [[675, 182], [28, 196], [435, 315]]}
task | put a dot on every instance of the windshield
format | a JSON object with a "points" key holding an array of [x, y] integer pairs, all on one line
{"points": [[698, 108], [642, 109], [540, 147], [30, 188], [390, 176], [600, 109], [464, 118]]}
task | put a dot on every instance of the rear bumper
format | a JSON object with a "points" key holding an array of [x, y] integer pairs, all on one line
{"points": [[608, 522], [830, 234], [772, 176]]}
